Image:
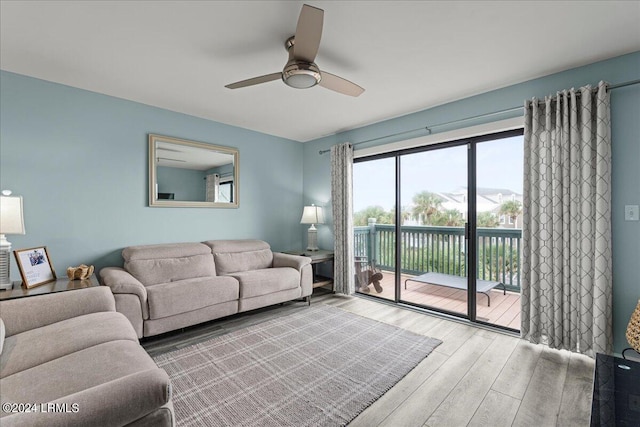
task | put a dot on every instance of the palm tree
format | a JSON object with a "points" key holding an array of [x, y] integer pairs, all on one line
{"points": [[426, 204], [487, 220], [512, 209], [449, 217], [361, 218]]}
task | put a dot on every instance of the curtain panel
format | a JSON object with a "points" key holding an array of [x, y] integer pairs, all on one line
{"points": [[342, 210], [212, 187], [567, 274]]}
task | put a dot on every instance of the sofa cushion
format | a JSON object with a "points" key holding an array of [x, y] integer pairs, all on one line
{"points": [[113, 383], [154, 264], [232, 256], [34, 347], [23, 314], [168, 299], [268, 280]]}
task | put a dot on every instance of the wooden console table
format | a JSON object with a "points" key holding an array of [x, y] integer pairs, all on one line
{"points": [[59, 285]]}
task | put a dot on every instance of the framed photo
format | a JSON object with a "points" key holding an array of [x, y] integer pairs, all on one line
{"points": [[35, 266]]}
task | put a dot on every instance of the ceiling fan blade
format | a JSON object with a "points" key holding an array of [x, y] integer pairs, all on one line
{"points": [[308, 33], [338, 84], [255, 81]]}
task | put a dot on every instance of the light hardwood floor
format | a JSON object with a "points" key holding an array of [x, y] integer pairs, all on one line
{"points": [[476, 377]]}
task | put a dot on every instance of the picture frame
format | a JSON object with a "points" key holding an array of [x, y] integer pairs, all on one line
{"points": [[35, 266]]}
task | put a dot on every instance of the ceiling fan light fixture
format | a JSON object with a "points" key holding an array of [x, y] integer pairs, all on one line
{"points": [[301, 75]]}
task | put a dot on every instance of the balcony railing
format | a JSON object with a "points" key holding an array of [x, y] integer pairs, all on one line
{"points": [[443, 250]]}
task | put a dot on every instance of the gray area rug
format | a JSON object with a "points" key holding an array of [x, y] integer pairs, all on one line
{"points": [[321, 366]]}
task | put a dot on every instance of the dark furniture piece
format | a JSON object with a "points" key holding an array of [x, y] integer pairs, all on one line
{"points": [[457, 282], [616, 392], [317, 257], [61, 284]]}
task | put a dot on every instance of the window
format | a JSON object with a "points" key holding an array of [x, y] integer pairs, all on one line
{"points": [[436, 187]]}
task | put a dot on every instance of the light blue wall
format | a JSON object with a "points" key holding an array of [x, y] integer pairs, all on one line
{"points": [[625, 132], [79, 159], [185, 184]]}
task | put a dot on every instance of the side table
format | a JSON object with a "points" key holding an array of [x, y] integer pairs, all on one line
{"points": [[616, 392], [59, 285], [317, 257]]}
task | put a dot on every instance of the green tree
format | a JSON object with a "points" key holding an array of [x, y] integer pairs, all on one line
{"points": [[405, 214], [487, 220], [448, 217], [512, 209], [361, 218], [426, 204]]}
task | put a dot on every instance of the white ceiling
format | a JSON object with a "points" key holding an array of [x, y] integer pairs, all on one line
{"points": [[408, 55]]}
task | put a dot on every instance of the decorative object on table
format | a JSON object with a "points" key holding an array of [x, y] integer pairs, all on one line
{"points": [[80, 272], [312, 215], [11, 222], [302, 369], [633, 331], [35, 266], [367, 273]]}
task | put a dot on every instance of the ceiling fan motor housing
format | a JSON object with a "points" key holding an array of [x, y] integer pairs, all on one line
{"points": [[301, 75]]}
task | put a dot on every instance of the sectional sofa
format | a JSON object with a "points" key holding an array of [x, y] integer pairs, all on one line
{"points": [[69, 359], [170, 286]]}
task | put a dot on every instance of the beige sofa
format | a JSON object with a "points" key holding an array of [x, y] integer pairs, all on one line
{"points": [[170, 286], [71, 360]]}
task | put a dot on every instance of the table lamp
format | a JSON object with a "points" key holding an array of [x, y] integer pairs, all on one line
{"points": [[312, 215], [11, 222]]}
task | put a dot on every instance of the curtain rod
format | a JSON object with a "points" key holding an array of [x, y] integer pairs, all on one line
{"points": [[479, 116]]}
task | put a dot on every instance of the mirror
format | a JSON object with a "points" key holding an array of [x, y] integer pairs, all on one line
{"points": [[186, 173]]}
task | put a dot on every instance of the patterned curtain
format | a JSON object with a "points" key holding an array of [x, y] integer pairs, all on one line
{"points": [[342, 210], [566, 279], [212, 187]]}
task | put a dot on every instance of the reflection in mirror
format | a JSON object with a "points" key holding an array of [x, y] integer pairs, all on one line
{"points": [[186, 173]]}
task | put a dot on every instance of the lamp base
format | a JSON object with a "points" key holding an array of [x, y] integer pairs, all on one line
{"points": [[5, 251], [312, 239]]}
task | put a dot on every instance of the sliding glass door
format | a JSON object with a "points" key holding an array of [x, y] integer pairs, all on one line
{"points": [[433, 267], [499, 181], [457, 234], [374, 227]]}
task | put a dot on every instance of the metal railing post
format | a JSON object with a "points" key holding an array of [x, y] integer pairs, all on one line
{"points": [[372, 243]]}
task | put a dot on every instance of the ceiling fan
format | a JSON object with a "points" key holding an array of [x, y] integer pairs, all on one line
{"points": [[301, 72]]}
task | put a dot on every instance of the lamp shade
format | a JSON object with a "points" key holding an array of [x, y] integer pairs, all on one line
{"points": [[11, 218], [312, 215]]}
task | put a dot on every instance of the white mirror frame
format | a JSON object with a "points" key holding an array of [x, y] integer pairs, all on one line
{"points": [[153, 174]]}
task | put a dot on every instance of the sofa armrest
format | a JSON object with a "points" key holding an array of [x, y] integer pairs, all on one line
{"points": [[286, 260], [122, 282], [115, 403], [23, 314]]}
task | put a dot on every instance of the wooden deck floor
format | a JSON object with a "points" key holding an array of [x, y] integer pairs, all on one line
{"points": [[504, 309]]}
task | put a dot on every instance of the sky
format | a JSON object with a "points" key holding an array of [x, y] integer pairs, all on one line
{"points": [[499, 165]]}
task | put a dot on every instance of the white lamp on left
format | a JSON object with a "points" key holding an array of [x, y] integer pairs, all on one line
{"points": [[312, 215], [11, 222]]}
